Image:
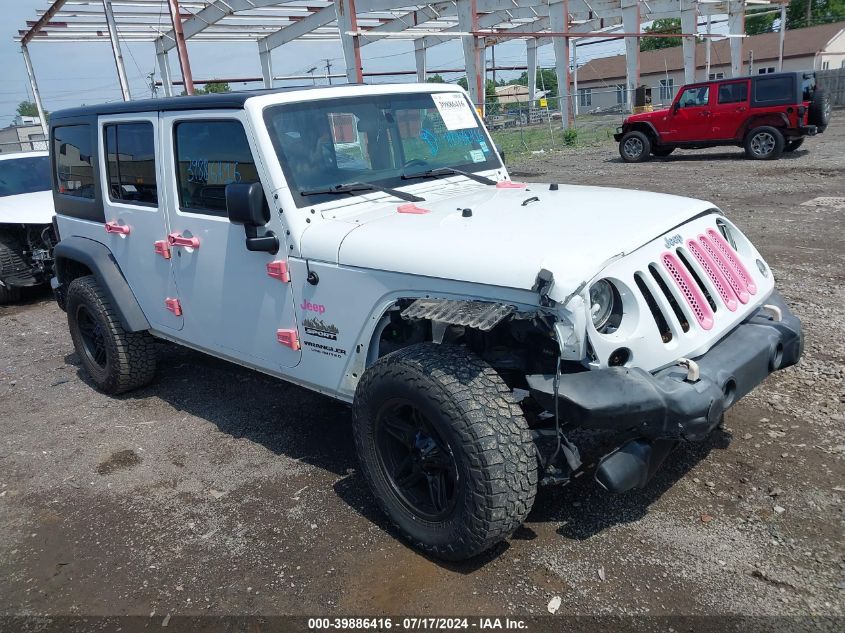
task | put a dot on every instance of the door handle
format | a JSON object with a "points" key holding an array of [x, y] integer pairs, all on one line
{"points": [[705, 113], [176, 239], [120, 229], [741, 109]]}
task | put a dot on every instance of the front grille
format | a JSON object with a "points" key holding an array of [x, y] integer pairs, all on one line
{"points": [[692, 282]]}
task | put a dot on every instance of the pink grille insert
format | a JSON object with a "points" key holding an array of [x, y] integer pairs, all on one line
{"points": [[725, 267], [728, 253], [696, 301], [723, 286]]}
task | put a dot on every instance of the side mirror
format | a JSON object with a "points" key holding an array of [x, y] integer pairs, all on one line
{"points": [[246, 205], [501, 152]]}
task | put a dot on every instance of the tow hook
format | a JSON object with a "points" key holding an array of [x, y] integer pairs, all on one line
{"points": [[774, 311], [693, 372]]}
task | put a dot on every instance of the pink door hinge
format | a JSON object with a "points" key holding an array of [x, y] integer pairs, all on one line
{"points": [[114, 227], [289, 338], [162, 248], [279, 270], [174, 306]]}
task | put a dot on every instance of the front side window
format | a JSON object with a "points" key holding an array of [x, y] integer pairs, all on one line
{"points": [[375, 140], [74, 163], [736, 92], [695, 97], [210, 155], [24, 175], [130, 163]]}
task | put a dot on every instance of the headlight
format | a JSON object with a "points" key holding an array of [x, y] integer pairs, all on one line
{"points": [[601, 303]]}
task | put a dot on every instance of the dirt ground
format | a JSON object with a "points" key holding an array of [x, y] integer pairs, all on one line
{"points": [[220, 491]]}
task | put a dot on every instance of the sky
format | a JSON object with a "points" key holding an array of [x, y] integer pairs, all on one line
{"points": [[71, 74]]}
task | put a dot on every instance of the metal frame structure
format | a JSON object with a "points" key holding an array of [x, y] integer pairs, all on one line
{"points": [[357, 23]]}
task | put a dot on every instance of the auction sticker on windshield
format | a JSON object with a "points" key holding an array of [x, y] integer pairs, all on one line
{"points": [[455, 111]]}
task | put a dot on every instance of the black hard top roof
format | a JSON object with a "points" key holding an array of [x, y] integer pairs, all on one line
{"points": [[215, 101]]}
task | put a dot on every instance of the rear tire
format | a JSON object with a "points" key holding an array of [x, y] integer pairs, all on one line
{"points": [[635, 147], [764, 143], [819, 111], [115, 360], [791, 146], [445, 449]]}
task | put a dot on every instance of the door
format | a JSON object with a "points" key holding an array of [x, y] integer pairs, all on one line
{"points": [[690, 117], [134, 207], [731, 108], [229, 302]]}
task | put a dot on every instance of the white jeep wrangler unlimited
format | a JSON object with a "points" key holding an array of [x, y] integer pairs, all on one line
{"points": [[366, 242]]}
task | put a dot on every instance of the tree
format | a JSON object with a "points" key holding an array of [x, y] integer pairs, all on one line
{"points": [[27, 108], [762, 23], [803, 13], [436, 79], [666, 25], [212, 87]]}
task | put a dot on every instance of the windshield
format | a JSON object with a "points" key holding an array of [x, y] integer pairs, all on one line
{"points": [[375, 139], [24, 175]]}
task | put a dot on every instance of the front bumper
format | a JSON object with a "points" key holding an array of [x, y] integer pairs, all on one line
{"points": [[665, 405]]}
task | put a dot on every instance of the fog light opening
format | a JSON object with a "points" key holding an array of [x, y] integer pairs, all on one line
{"points": [[777, 357], [730, 392], [619, 357]]}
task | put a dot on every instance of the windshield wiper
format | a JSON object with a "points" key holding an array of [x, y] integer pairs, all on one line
{"points": [[449, 171], [352, 187]]}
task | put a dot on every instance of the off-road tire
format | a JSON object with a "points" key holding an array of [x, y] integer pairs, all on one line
{"points": [[473, 409], [130, 357], [635, 147], [11, 263], [764, 143], [819, 111], [791, 146], [662, 152]]}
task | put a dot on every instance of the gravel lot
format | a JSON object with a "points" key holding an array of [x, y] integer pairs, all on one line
{"points": [[220, 491]]}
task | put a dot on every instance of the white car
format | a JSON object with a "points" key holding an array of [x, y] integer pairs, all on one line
{"points": [[26, 216], [366, 242]]}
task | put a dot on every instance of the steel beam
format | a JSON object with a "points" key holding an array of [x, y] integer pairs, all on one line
{"points": [[736, 26], [164, 68], [36, 94], [115, 47], [631, 23], [473, 51], [347, 21], [266, 59], [420, 58], [689, 24], [181, 46], [559, 19], [531, 55]]}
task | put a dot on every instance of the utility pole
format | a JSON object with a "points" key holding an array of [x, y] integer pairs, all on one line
{"points": [[493, 62], [329, 71]]}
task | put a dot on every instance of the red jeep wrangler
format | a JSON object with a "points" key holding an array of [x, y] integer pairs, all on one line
{"points": [[766, 114]]}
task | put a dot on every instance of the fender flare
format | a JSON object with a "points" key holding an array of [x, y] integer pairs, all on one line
{"points": [[102, 264], [647, 124], [773, 119]]}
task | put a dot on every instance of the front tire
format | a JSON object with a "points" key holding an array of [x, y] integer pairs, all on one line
{"points": [[445, 449], [764, 143], [635, 147], [116, 360]]}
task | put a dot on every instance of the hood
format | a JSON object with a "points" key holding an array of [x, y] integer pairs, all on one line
{"points": [[646, 116], [27, 208], [573, 232]]}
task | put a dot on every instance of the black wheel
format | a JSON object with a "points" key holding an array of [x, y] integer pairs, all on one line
{"points": [[819, 111], [662, 152], [116, 360], [791, 146], [445, 449], [12, 264], [764, 143], [635, 147]]}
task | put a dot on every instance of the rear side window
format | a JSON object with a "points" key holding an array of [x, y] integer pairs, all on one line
{"points": [[130, 163], [773, 90], [733, 92], [72, 147], [209, 156]]}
